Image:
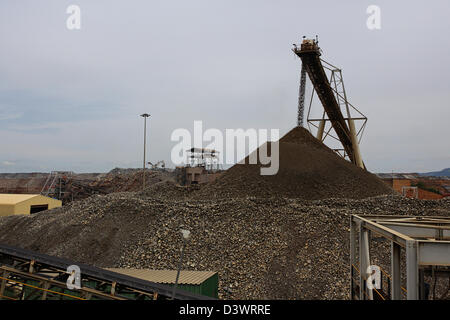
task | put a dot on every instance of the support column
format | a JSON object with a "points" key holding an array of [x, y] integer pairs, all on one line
{"points": [[3, 283], [352, 256], [355, 144], [357, 159], [321, 128], [45, 286], [421, 284], [412, 270], [395, 271], [364, 262]]}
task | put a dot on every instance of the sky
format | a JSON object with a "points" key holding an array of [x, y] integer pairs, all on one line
{"points": [[71, 99]]}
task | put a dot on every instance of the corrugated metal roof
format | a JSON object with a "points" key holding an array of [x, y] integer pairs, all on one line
{"points": [[166, 276], [6, 198]]}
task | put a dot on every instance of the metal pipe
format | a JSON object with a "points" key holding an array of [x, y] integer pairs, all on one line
{"points": [[143, 164]]}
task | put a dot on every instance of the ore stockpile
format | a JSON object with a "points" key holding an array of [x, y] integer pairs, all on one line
{"points": [[308, 170], [268, 237]]}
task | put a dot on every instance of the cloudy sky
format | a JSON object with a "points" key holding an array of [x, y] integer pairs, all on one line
{"points": [[71, 99]]}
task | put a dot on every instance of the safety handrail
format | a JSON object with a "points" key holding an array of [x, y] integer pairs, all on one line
{"points": [[42, 289]]}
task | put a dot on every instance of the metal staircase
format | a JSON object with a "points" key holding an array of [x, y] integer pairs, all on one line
{"points": [[55, 184]]}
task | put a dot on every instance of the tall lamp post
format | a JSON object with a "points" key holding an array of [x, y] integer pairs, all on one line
{"points": [[186, 236], [145, 116]]}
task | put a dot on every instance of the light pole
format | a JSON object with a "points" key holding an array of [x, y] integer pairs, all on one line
{"points": [[186, 236], [145, 116]]}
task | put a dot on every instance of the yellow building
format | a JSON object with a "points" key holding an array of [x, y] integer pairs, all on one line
{"points": [[11, 204]]}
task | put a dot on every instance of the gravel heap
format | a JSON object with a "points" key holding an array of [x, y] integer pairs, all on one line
{"points": [[269, 237], [262, 248], [83, 185], [117, 180], [308, 170]]}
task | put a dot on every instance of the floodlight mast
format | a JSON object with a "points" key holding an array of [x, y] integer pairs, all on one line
{"points": [[145, 116]]}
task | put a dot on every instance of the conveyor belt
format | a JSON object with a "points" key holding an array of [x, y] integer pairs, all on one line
{"points": [[310, 56], [17, 266]]}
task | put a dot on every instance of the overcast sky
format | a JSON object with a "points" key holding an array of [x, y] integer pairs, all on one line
{"points": [[71, 99]]}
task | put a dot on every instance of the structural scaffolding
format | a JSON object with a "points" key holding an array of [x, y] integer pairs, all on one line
{"points": [[426, 241]]}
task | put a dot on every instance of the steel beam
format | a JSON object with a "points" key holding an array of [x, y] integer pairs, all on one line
{"points": [[383, 231], [352, 256], [412, 270], [3, 283], [434, 253], [419, 231], [395, 271]]}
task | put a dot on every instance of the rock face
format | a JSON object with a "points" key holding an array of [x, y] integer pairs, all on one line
{"points": [[308, 170]]}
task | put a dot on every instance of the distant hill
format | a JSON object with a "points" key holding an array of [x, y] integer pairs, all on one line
{"points": [[442, 173]]}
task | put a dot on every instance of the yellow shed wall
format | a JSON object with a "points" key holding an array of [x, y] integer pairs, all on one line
{"points": [[6, 210], [24, 206]]}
